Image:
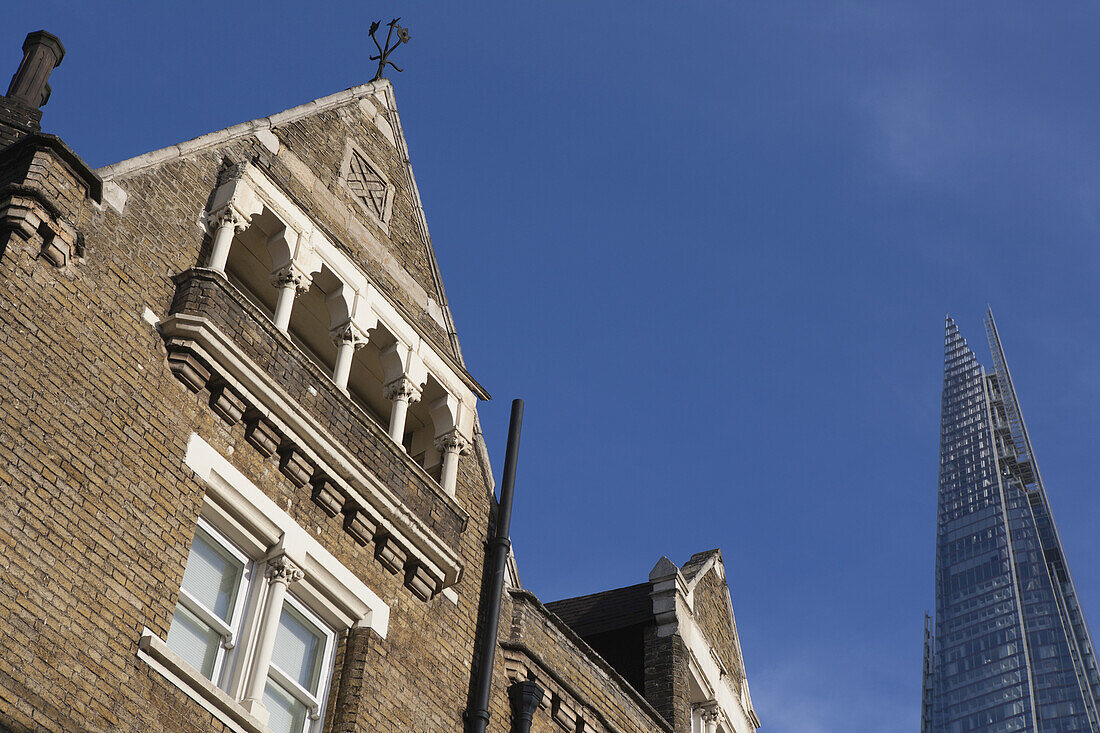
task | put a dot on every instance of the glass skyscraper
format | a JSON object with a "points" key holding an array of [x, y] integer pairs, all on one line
{"points": [[1009, 650]]}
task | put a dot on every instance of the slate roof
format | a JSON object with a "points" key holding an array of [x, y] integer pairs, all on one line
{"points": [[605, 611]]}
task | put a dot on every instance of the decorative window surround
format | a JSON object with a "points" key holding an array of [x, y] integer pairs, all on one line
{"points": [[363, 489], [237, 508], [325, 592]]}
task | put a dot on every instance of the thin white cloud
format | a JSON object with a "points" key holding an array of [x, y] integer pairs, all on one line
{"points": [[810, 694]]}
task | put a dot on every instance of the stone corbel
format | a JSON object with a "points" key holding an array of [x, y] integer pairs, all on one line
{"points": [[59, 244], [563, 713], [515, 667], [23, 214]]}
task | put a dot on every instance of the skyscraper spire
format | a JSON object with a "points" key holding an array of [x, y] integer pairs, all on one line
{"points": [[1011, 651]]}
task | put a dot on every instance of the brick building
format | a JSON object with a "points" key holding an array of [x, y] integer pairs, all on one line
{"points": [[244, 485]]}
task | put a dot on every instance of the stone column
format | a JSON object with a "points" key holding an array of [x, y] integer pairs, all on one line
{"points": [[225, 222], [281, 572], [402, 393], [710, 717], [290, 282], [348, 338], [451, 446]]}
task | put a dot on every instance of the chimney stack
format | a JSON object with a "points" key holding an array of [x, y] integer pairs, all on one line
{"points": [[42, 53], [19, 108]]}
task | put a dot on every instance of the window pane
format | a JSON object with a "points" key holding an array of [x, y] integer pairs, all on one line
{"points": [[212, 576], [299, 645], [193, 640], [287, 714]]}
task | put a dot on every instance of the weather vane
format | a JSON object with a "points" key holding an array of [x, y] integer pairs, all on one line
{"points": [[384, 53]]}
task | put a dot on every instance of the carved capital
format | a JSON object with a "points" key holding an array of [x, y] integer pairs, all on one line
{"points": [[282, 570], [290, 276], [228, 215], [348, 333], [452, 442], [710, 712], [402, 389]]}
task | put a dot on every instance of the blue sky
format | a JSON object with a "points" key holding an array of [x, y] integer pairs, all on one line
{"points": [[712, 246]]}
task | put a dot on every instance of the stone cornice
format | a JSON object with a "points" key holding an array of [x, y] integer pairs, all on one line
{"points": [[93, 184], [364, 489]]}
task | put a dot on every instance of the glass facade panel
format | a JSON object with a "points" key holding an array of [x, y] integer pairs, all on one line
{"points": [[1011, 651]]}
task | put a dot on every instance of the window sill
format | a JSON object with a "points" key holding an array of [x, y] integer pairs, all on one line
{"points": [[155, 652]]}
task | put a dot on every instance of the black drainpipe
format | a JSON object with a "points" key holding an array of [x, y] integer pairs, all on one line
{"points": [[525, 697], [498, 546]]}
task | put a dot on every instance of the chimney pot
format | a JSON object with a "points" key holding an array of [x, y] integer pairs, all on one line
{"points": [[42, 53]]}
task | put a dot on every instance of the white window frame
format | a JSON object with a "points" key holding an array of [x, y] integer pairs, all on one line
{"points": [[245, 627], [238, 516], [315, 703], [230, 632]]}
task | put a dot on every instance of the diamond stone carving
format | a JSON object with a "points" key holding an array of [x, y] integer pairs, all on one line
{"points": [[369, 186]]}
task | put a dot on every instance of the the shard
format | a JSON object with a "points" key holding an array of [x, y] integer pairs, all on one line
{"points": [[1010, 649]]}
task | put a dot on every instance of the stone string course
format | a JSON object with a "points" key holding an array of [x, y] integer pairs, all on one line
{"points": [[207, 294]]}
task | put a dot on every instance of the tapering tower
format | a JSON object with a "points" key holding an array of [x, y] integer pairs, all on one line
{"points": [[1011, 648]]}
